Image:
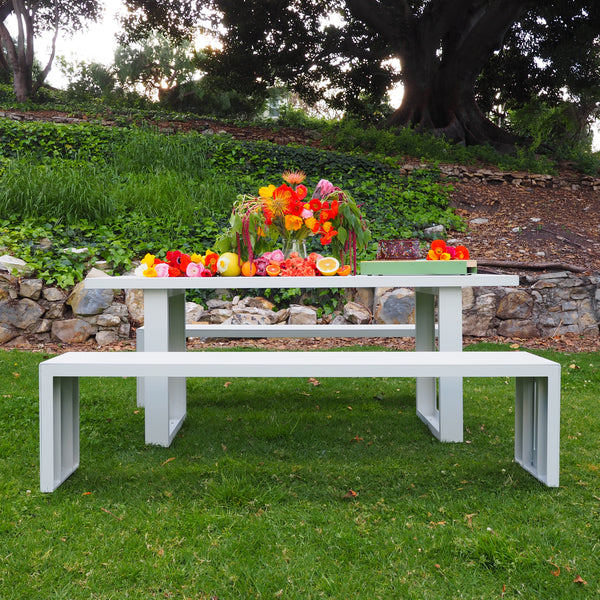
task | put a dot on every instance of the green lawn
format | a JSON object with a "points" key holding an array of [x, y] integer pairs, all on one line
{"points": [[254, 499]]}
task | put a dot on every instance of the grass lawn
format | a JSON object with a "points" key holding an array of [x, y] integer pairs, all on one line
{"points": [[256, 496]]}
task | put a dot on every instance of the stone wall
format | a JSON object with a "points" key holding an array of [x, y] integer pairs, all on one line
{"points": [[542, 306], [575, 181]]}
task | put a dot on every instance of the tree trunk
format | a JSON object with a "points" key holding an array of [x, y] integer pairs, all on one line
{"points": [[442, 51], [20, 55], [445, 105]]}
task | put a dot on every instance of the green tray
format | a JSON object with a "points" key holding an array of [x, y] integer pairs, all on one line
{"points": [[417, 267]]}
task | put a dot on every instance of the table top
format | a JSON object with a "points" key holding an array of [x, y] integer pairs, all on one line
{"points": [[350, 281]]}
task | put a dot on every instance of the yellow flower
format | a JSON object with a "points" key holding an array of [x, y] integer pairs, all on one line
{"points": [[327, 226], [150, 272], [196, 258], [293, 222], [266, 191], [312, 224], [294, 177], [445, 256], [148, 260]]}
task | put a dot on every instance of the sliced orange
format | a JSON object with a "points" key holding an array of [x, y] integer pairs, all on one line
{"points": [[273, 269], [344, 270], [328, 265], [248, 269]]}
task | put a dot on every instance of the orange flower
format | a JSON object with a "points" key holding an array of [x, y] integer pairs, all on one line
{"points": [[294, 177], [328, 236], [293, 222], [315, 204], [461, 253], [312, 224], [432, 255], [438, 246], [210, 261]]}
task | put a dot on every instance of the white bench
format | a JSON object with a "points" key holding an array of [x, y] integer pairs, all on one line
{"points": [[226, 330], [537, 401]]}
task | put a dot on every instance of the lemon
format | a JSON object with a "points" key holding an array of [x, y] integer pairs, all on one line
{"points": [[228, 265], [328, 265]]}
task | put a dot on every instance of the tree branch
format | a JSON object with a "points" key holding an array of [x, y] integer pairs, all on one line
{"points": [[373, 14]]}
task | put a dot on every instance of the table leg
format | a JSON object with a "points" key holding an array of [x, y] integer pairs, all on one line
{"points": [[164, 398], [425, 342], [441, 406]]}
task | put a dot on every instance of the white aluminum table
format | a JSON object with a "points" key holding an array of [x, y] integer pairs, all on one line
{"points": [[439, 405]]}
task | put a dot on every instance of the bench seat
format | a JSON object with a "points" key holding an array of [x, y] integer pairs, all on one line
{"points": [[537, 408]]}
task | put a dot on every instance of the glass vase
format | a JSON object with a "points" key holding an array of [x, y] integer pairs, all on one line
{"points": [[292, 245]]}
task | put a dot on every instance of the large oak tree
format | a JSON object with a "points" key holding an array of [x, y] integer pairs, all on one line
{"points": [[446, 49]]}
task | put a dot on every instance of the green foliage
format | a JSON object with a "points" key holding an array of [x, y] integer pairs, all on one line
{"points": [[147, 192], [559, 130], [73, 189], [45, 139], [353, 136]]}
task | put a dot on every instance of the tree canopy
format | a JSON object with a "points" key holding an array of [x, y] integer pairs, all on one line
{"points": [[459, 58], [31, 18]]}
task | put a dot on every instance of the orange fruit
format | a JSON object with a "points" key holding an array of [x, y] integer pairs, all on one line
{"points": [[344, 270], [248, 269], [273, 269], [328, 265]]}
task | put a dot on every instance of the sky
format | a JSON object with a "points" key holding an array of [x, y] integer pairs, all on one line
{"points": [[97, 43]]}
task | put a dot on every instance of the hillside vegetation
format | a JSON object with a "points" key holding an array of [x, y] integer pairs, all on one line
{"points": [[128, 189]]}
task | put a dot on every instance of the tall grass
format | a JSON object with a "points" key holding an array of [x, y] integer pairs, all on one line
{"points": [[147, 151], [72, 189]]}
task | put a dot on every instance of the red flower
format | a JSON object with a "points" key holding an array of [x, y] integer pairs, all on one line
{"points": [[315, 204], [173, 259]]}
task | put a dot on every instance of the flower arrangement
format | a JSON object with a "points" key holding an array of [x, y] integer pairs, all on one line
{"points": [[286, 212], [178, 264], [440, 251], [273, 263]]}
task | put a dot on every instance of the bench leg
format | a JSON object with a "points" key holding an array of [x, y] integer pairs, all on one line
{"points": [[537, 427], [139, 347], [59, 430], [165, 407]]}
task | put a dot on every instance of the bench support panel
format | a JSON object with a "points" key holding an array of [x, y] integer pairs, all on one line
{"points": [[59, 430], [537, 425]]}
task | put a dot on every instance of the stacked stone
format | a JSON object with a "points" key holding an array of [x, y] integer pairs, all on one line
{"points": [[493, 177], [33, 313]]}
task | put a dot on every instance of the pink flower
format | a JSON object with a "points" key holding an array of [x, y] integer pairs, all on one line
{"points": [[323, 189], [451, 251], [194, 269], [162, 269], [306, 213], [277, 256]]}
